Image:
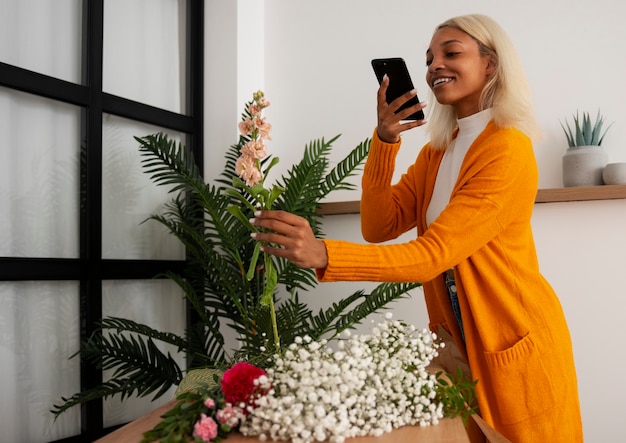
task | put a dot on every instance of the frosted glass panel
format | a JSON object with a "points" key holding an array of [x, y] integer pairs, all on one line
{"points": [[39, 331], [158, 304], [42, 36], [129, 197], [39, 176], [144, 55]]}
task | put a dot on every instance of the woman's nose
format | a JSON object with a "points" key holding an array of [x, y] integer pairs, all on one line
{"points": [[435, 65]]}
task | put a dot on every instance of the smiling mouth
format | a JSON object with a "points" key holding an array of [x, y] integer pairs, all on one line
{"points": [[441, 80]]}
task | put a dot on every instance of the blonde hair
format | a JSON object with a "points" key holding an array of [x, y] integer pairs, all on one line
{"points": [[506, 92]]}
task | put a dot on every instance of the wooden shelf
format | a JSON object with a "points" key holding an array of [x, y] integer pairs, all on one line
{"points": [[582, 193]]}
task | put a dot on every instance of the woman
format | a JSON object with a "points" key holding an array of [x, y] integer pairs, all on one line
{"points": [[470, 193]]}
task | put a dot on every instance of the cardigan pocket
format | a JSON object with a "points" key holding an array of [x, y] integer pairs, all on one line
{"points": [[522, 387]]}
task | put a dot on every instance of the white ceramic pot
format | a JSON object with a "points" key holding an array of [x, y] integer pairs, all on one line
{"points": [[614, 174], [584, 165]]}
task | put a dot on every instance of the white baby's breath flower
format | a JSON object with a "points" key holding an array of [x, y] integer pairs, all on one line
{"points": [[369, 385]]}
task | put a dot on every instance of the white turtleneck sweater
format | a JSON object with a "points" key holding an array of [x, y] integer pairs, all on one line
{"points": [[469, 128]]}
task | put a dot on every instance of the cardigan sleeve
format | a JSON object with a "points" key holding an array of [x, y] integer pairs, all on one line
{"points": [[387, 211], [496, 188]]}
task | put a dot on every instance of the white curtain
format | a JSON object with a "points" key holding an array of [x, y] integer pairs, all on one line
{"points": [[39, 199]]}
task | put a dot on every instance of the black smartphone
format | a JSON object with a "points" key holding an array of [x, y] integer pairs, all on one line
{"points": [[399, 82]]}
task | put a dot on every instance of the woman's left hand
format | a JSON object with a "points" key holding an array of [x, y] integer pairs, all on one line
{"points": [[293, 237]]}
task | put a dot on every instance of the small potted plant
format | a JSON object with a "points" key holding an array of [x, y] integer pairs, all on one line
{"points": [[585, 159]]}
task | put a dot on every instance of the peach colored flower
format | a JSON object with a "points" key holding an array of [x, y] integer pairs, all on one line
{"points": [[246, 127], [263, 127], [205, 428], [246, 168], [263, 103], [254, 149], [254, 109]]}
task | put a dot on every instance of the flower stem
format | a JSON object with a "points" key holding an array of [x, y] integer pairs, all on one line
{"points": [[274, 326]]}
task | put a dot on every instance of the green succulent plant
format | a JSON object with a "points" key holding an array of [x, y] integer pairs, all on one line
{"points": [[584, 132]]}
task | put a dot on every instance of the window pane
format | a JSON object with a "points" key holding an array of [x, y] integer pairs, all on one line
{"points": [[129, 197], [42, 36], [39, 176], [158, 304], [144, 51], [39, 331]]}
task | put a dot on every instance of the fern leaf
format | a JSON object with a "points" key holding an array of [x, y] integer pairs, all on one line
{"points": [[337, 176], [382, 295]]}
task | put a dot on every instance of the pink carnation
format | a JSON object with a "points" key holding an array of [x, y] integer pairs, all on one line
{"points": [[205, 428], [228, 416], [209, 403]]}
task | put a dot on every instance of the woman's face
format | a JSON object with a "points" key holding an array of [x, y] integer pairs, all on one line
{"points": [[457, 73]]}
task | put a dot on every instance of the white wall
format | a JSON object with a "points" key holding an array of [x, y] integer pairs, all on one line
{"points": [[312, 60]]}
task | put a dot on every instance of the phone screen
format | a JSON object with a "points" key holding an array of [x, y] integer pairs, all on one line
{"points": [[399, 82]]}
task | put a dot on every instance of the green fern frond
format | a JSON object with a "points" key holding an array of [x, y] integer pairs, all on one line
{"points": [[139, 366], [382, 295], [120, 325], [123, 388], [303, 179], [336, 178], [132, 354], [168, 163], [294, 319], [324, 321], [206, 344]]}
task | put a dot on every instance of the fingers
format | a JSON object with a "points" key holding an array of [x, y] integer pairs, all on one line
{"points": [[392, 123], [281, 223], [390, 126], [281, 228], [382, 93], [289, 236]]}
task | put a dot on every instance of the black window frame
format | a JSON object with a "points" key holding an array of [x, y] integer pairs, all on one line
{"points": [[90, 269]]}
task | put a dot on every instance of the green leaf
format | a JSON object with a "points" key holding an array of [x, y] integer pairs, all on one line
{"points": [[253, 261], [271, 280], [273, 162], [236, 211]]}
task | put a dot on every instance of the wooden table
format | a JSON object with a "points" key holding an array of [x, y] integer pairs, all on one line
{"points": [[447, 431]]}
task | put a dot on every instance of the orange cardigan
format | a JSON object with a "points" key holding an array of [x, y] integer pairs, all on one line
{"points": [[517, 341]]}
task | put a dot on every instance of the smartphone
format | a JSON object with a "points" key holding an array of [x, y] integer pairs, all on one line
{"points": [[399, 82]]}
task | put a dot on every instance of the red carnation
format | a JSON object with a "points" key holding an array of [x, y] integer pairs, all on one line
{"points": [[238, 384]]}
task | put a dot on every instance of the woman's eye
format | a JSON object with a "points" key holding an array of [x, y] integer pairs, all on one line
{"points": [[451, 54], [429, 62]]}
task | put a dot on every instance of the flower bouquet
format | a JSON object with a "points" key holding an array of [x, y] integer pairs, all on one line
{"points": [[363, 385], [295, 374]]}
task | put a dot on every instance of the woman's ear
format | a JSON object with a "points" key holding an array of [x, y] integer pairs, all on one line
{"points": [[491, 65]]}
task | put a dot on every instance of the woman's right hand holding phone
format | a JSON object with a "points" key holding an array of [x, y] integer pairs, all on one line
{"points": [[390, 124]]}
